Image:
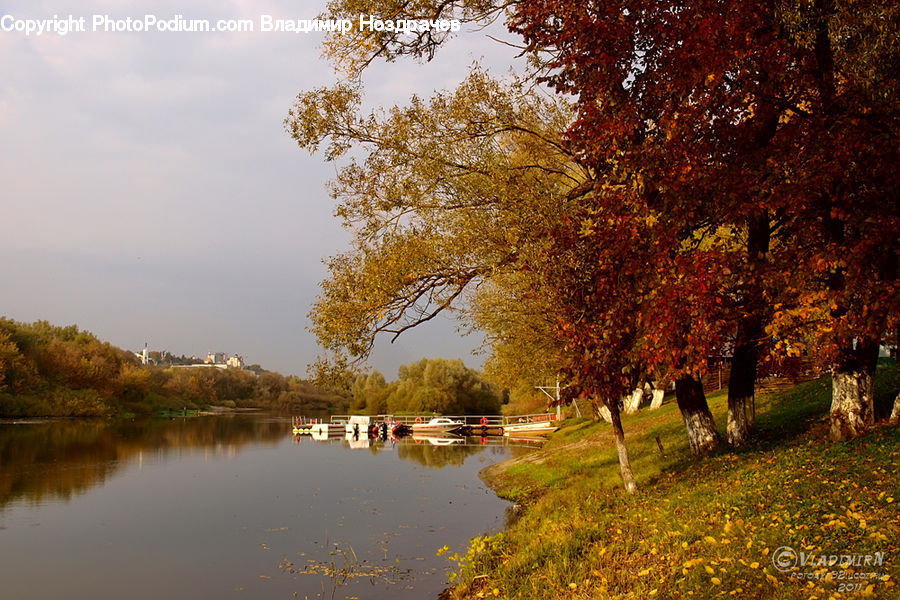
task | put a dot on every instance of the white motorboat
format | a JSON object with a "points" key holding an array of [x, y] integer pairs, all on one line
{"points": [[437, 425], [529, 429]]}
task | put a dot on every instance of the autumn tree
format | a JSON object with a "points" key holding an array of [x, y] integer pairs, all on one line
{"points": [[741, 116], [353, 51], [515, 314], [16, 373], [621, 117], [844, 164], [452, 193], [370, 394]]}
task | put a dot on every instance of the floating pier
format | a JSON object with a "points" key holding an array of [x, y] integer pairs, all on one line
{"points": [[385, 425]]}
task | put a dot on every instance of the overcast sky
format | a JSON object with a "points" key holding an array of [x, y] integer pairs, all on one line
{"points": [[149, 191]]}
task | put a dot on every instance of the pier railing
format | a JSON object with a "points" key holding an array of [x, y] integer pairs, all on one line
{"points": [[472, 420]]}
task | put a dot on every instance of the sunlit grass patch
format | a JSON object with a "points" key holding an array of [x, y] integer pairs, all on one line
{"points": [[697, 528]]}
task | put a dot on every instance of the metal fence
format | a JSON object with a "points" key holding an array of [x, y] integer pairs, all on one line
{"points": [[472, 420]]}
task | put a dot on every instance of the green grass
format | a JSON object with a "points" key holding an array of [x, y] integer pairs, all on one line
{"points": [[698, 528]]}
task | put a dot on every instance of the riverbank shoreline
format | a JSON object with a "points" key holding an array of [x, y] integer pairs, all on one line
{"points": [[701, 528], [162, 414]]}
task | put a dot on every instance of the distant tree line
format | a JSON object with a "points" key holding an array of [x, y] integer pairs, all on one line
{"points": [[432, 385], [46, 370]]}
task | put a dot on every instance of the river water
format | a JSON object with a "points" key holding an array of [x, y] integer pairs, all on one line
{"points": [[233, 506]]}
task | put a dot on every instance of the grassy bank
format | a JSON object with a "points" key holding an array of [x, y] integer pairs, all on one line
{"points": [[697, 528]]}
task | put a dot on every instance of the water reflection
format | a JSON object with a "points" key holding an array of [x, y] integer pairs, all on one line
{"points": [[60, 458], [433, 451], [234, 505]]}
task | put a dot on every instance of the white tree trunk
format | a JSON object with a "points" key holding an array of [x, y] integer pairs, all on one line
{"points": [[632, 402], [741, 415], [701, 430], [895, 414], [853, 390], [852, 404], [657, 398], [703, 436], [603, 413], [622, 450]]}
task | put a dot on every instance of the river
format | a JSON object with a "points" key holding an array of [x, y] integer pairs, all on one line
{"points": [[233, 506]]}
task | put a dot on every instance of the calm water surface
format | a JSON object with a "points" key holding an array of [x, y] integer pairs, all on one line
{"points": [[232, 507]]}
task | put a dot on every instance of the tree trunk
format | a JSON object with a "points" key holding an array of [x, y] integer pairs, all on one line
{"points": [[632, 402], [698, 420], [895, 414], [624, 463], [601, 411], [742, 382], [657, 401], [853, 391]]}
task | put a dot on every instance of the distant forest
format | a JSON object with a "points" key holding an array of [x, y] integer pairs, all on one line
{"points": [[46, 370], [431, 385]]}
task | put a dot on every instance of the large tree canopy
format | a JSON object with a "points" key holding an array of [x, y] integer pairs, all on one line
{"points": [[777, 121], [453, 193]]}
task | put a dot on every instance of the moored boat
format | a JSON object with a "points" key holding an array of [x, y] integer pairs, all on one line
{"points": [[529, 429], [437, 425]]}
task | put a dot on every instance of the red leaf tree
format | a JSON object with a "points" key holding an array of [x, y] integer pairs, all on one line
{"points": [[762, 138]]}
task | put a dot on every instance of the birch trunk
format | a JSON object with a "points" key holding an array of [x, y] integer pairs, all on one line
{"points": [[698, 420], [853, 391]]}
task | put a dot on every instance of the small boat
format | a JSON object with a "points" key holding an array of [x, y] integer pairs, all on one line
{"points": [[438, 425], [529, 429], [399, 430]]}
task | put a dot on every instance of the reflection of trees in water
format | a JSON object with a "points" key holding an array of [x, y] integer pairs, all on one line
{"points": [[433, 456], [62, 458]]}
